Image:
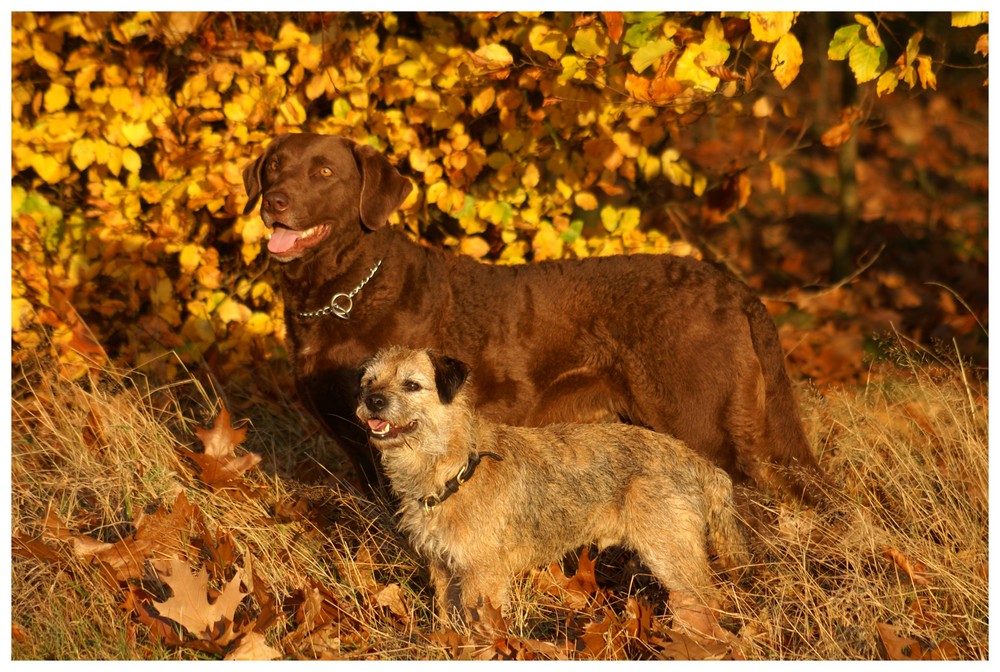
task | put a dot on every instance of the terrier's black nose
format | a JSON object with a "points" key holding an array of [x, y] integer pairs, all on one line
{"points": [[375, 402]]}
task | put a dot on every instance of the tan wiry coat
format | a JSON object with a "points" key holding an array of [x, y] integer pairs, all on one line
{"points": [[556, 488]]}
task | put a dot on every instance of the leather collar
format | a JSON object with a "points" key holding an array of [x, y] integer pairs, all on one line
{"points": [[463, 475]]}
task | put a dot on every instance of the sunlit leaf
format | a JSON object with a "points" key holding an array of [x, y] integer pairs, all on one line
{"points": [[928, 79], [887, 82], [650, 53], [550, 42], [786, 59], [966, 19], [844, 40], [56, 98], [867, 61], [771, 26]]}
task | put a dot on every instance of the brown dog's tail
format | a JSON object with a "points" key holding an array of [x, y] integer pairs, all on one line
{"points": [[726, 534], [789, 458]]}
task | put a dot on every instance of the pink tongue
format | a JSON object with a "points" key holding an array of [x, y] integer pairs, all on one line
{"points": [[377, 425], [282, 240]]}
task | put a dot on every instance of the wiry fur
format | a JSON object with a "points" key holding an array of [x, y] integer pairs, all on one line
{"points": [[556, 489]]}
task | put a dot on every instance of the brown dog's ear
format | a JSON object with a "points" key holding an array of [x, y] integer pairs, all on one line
{"points": [[449, 375], [383, 189], [251, 182]]}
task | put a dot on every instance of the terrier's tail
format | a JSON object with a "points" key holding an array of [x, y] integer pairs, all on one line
{"points": [[727, 535]]}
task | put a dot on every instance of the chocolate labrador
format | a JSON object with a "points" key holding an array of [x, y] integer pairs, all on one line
{"points": [[662, 341]]}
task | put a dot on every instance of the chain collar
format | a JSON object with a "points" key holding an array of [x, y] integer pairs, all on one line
{"points": [[341, 304], [451, 485]]}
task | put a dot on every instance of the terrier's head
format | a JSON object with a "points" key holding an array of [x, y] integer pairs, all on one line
{"points": [[411, 395]]}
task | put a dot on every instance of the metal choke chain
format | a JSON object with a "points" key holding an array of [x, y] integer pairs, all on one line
{"points": [[341, 304]]}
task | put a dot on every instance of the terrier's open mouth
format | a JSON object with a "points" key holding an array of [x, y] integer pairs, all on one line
{"points": [[382, 429]]}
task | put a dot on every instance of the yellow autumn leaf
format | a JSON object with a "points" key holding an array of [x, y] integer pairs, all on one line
{"points": [[83, 153], [310, 56], [22, 314], [585, 200], [887, 82], [966, 19], [189, 258], [45, 58], [259, 324], [131, 160], [137, 134], [550, 42], [771, 26], [692, 64], [928, 79], [121, 99], [231, 310], [474, 246], [56, 98], [546, 243], [531, 176], [49, 168], [293, 112], [493, 56], [786, 59], [483, 101], [777, 177]]}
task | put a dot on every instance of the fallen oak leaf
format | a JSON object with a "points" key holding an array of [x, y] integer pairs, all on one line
{"points": [[914, 570], [189, 605], [898, 647], [219, 464], [253, 646], [391, 596]]}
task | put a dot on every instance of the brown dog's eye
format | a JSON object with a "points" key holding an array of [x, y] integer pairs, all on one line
{"points": [[272, 164], [326, 172], [411, 386]]}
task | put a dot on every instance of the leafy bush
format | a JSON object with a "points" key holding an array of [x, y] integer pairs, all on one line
{"points": [[529, 135]]}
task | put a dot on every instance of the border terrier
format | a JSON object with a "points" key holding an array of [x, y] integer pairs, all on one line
{"points": [[483, 501]]}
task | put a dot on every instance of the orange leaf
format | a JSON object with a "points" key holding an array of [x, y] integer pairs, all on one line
{"points": [[219, 464], [897, 647], [615, 22], [914, 570]]}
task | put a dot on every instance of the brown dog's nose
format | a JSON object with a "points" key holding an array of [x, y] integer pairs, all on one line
{"points": [[275, 201], [375, 402]]}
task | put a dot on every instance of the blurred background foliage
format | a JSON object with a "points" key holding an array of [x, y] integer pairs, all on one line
{"points": [[793, 147]]}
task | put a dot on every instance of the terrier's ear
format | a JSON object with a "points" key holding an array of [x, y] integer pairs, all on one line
{"points": [[449, 375]]}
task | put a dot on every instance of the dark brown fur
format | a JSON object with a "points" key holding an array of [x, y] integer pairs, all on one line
{"points": [[661, 341]]}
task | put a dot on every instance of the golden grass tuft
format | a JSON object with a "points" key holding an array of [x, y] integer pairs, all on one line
{"points": [[903, 547]]}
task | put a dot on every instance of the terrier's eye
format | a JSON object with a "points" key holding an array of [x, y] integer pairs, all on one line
{"points": [[412, 386]]}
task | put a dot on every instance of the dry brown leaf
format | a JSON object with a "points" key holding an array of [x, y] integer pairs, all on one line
{"points": [[167, 531], [683, 645], [392, 597], [190, 607], [897, 647], [253, 646], [914, 570], [219, 464]]}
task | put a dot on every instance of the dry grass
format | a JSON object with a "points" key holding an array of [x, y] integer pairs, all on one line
{"points": [[904, 543]]}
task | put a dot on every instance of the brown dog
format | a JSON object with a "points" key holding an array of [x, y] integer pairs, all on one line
{"points": [[660, 341], [482, 501]]}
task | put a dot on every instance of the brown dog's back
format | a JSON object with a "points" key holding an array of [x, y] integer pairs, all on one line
{"points": [[660, 341]]}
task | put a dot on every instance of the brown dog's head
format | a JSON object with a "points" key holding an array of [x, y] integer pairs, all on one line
{"points": [[411, 394], [308, 184]]}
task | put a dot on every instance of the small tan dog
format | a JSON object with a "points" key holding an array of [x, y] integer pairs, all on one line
{"points": [[483, 501]]}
